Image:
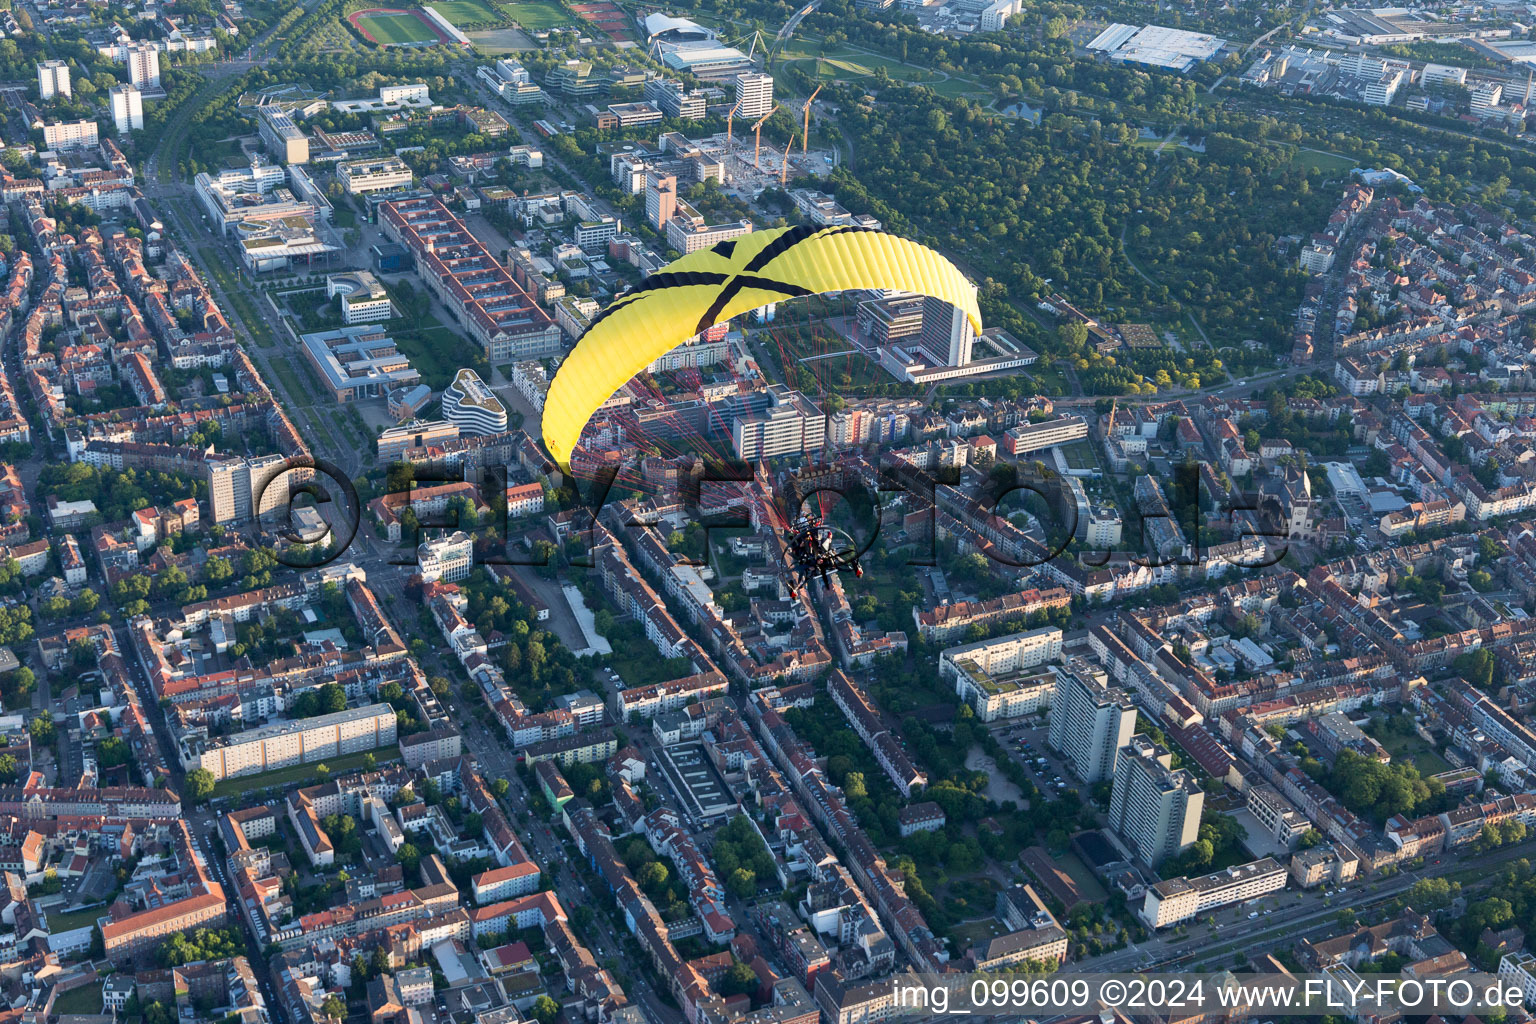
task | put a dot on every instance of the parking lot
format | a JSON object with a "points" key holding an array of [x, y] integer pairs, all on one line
{"points": [[1026, 740]]}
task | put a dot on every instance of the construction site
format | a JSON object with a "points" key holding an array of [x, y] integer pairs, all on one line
{"points": [[751, 165]]}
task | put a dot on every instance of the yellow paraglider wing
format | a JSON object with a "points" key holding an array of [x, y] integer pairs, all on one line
{"points": [[713, 285]]}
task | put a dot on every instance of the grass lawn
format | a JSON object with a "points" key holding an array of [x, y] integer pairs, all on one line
{"points": [[396, 29], [62, 922], [303, 773], [846, 63], [294, 384], [972, 932], [1413, 748], [1087, 884], [85, 999], [1328, 163], [846, 374], [437, 352], [462, 12], [1079, 455], [535, 16], [955, 87], [1050, 374], [832, 363]]}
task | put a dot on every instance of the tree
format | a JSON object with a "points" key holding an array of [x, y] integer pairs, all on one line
{"points": [[18, 685], [42, 729], [342, 828], [409, 857], [742, 883], [380, 961], [333, 1008], [112, 752], [545, 1010], [200, 784], [333, 699], [739, 979], [652, 876], [1431, 894]]}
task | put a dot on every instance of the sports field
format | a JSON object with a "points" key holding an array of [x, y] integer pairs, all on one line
{"points": [[394, 28], [465, 12], [605, 17], [537, 15]]}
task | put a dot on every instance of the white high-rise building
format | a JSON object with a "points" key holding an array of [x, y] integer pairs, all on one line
{"points": [[53, 79], [1154, 808], [127, 108], [754, 95], [791, 425], [947, 332], [1090, 723], [144, 67], [242, 489]]}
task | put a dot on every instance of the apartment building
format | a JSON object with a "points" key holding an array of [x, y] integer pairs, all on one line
{"points": [[127, 108], [1181, 899], [282, 744], [143, 66], [62, 135], [1153, 807], [53, 80], [754, 95], [1090, 724], [240, 489], [993, 675]]}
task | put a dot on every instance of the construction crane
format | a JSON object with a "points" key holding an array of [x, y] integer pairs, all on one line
{"points": [[784, 164], [805, 139], [757, 151], [728, 119]]}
